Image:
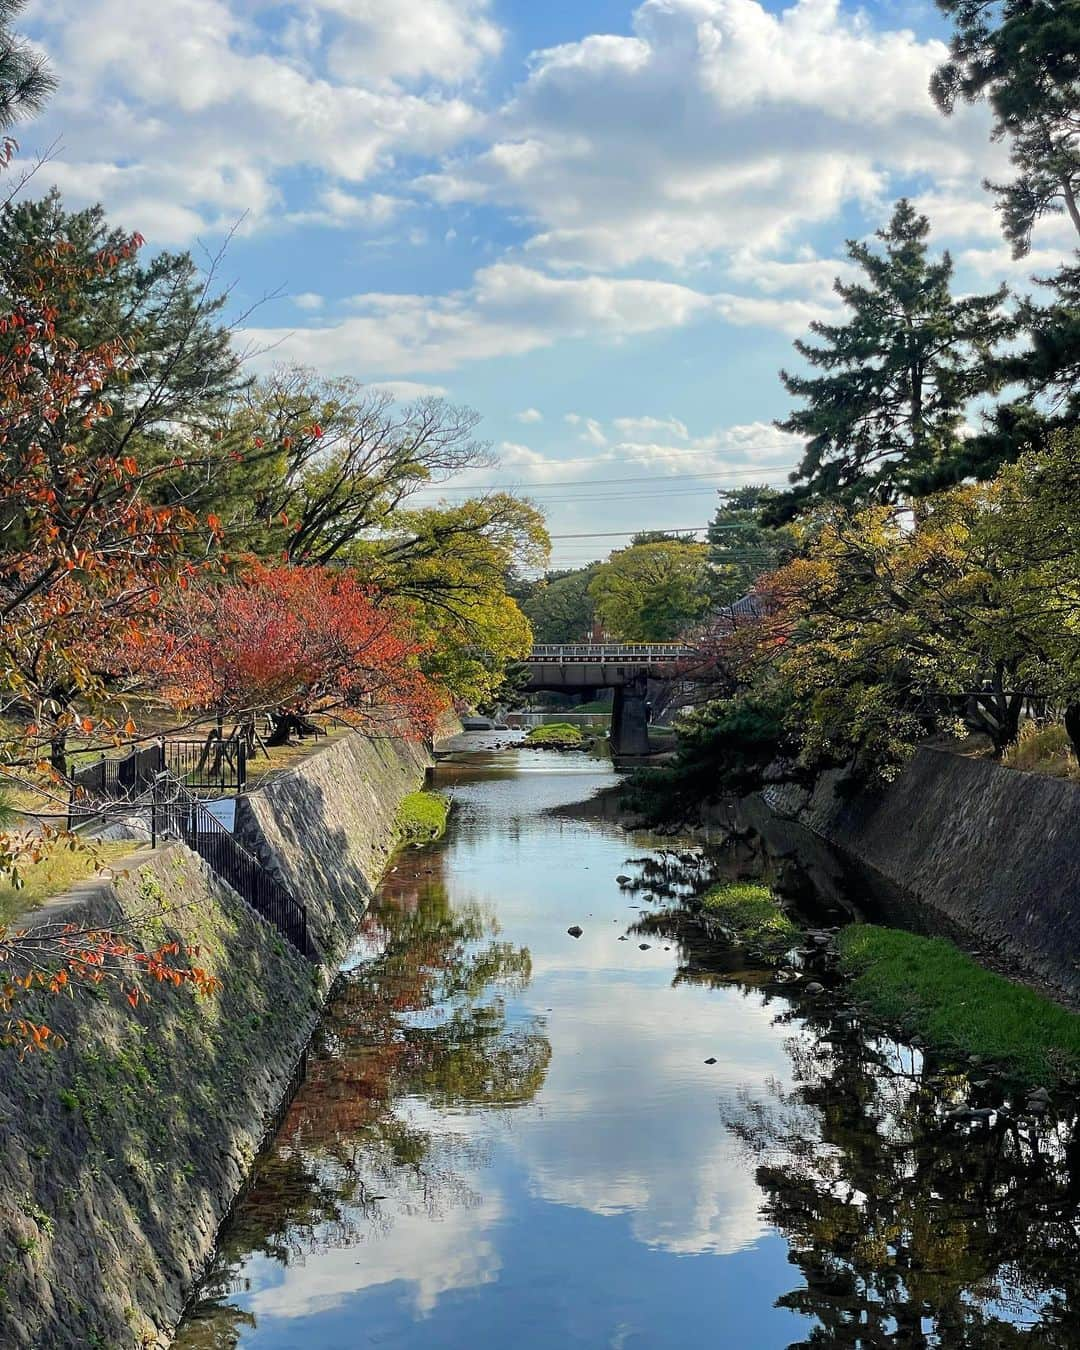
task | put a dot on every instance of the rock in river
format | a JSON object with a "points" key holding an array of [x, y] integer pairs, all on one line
{"points": [[575, 931]]}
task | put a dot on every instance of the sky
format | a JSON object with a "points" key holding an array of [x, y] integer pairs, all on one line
{"points": [[599, 223]]}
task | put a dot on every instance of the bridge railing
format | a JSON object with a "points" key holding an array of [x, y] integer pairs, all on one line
{"points": [[643, 652]]}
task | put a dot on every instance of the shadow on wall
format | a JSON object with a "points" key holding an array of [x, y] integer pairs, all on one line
{"points": [[326, 829]]}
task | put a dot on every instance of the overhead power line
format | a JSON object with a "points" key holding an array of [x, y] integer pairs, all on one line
{"points": [[760, 472], [641, 529]]}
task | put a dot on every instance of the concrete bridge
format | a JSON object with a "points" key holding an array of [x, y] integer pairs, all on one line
{"points": [[626, 668]]}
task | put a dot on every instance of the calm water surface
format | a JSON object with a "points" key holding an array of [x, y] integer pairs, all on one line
{"points": [[511, 1138]]}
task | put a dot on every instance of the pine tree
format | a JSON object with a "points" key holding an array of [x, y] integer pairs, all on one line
{"points": [[1023, 57], [25, 79], [885, 420]]}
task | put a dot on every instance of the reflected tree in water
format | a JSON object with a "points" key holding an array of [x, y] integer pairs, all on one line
{"points": [[911, 1230], [422, 1025]]}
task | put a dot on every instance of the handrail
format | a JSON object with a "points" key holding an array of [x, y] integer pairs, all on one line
{"points": [[626, 652], [182, 816]]}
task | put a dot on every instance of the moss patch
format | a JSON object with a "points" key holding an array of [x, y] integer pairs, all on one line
{"points": [[555, 736], [754, 914], [421, 817], [933, 989], [57, 872]]}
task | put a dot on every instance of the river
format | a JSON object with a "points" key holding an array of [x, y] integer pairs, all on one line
{"points": [[512, 1137]]}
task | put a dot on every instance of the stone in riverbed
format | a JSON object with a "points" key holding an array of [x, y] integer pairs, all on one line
{"points": [[643, 946], [711, 1059], [813, 988], [575, 931]]}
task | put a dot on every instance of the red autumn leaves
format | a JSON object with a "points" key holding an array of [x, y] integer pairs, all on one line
{"points": [[291, 639]]}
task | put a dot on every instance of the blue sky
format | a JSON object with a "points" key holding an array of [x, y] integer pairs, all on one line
{"points": [[598, 222]]}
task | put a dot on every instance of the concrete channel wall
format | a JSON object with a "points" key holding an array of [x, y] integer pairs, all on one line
{"points": [[993, 853], [122, 1153]]}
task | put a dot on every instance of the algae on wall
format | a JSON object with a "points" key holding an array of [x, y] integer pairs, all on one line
{"points": [[122, 1153]]}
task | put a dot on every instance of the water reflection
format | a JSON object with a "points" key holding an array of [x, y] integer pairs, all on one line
{"points": [[418, 1029], [638, 1139], [907, 1228]]}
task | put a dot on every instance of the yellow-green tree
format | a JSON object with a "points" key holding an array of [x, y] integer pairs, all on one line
{"points": [[652, 592]]}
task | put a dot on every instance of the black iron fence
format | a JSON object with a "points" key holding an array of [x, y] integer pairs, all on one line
{"points": [[148, 781], [176, 814], [220, 765], [118, 778], [209, 764]]}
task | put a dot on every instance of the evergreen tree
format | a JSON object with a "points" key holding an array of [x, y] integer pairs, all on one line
{"points": [[162, 309], [1023, 57], [885, 419], [25, 79], [741, 548]]}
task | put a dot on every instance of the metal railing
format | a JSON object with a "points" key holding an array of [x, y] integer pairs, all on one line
{"points": [[118, 779], [626, 652], [176, 814], [221, 765]]}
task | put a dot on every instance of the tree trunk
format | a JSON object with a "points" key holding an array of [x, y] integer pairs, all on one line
{"points": [[283, 724], [58, 752], [1072, 726]]}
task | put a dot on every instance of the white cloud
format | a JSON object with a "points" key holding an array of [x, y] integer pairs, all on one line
{"points": [[399, 40], [529, 415], [719, 125], [182, 116], [508, 311], [593, 433], [637, 426], [309, 300]]}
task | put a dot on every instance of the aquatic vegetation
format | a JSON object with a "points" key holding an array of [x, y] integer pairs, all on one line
{"points": [[556, 736], [753, 913]]}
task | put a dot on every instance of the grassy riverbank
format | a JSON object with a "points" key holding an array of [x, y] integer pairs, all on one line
{"points": [[753, 914], [421, 818], [556, 736], [933, 989]]}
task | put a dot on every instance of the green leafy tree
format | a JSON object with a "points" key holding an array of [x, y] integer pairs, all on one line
{"points": [[560, 608], [652, 592], [25, 79], [884, 420], [451, 570], [306, 465]]}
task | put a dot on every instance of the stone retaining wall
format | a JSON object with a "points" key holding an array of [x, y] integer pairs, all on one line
{"points": [[121, 1154], [994, 853]]}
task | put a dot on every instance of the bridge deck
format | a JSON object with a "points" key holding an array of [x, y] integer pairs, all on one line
{"points": [[629, 653]]}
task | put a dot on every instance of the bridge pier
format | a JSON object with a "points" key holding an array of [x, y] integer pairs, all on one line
{"points": [[630, 719]]}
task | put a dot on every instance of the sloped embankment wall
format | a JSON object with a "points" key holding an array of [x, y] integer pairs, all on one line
{"points": [[994, 853], [121, 1154]]}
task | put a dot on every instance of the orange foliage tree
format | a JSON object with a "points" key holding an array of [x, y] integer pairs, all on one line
{"points": [[85, 552], [288, 641]]}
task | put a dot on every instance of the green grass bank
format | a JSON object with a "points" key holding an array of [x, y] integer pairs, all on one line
{"points": [[421, 818], [933, 989]]}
